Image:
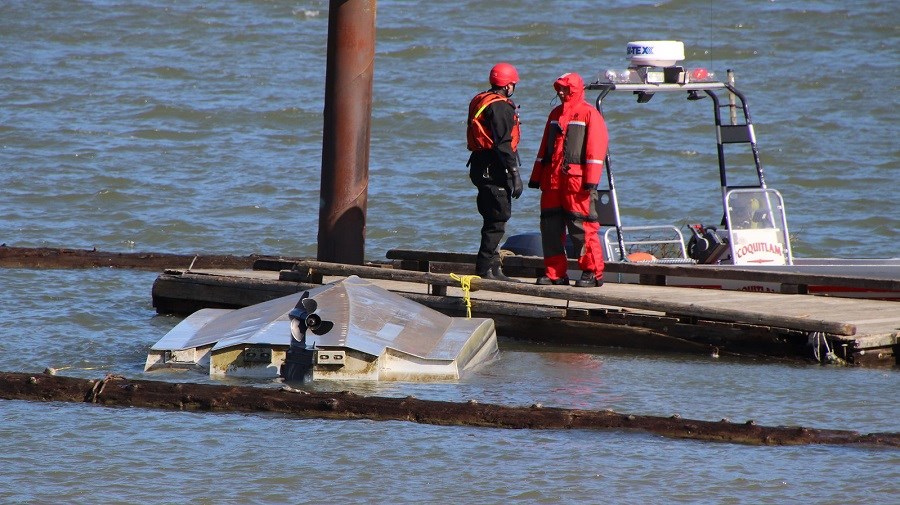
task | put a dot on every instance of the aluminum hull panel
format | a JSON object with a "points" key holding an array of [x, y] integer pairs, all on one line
{"points": [[384, 335]]}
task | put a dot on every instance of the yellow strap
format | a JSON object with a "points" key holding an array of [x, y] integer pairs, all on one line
{"points": [[482, 109], [465, 282], [495, 99]]}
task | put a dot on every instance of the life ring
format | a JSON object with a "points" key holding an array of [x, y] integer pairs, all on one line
{"points": [[640, 256]]}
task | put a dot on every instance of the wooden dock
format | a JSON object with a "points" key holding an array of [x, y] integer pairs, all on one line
{"points": [[787, 279], [797, 326]]}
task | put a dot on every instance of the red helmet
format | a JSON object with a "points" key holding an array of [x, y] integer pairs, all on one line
{"points": [[503, 74]]}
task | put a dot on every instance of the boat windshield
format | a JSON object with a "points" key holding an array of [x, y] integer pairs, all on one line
{"points": [[757, 227]]}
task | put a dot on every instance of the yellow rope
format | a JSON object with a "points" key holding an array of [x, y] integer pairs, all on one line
{"points": [[465, 282]]}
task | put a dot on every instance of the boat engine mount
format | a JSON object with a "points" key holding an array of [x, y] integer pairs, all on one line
{"points": [[705, 245]]}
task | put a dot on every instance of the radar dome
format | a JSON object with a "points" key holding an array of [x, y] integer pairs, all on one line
{"points": [[655, 53]]}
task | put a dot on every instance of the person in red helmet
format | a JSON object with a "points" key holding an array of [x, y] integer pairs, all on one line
{"points": [[493, 137], [567, 170]]}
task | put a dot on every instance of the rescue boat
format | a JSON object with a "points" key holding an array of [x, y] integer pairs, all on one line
{"points": [[753, 232], [347, 330]]}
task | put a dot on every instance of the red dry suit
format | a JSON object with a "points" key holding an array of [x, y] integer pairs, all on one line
{"points": [[568, 168]]}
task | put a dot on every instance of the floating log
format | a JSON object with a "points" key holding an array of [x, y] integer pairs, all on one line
{"points": [[50, 257], [116, 391]]}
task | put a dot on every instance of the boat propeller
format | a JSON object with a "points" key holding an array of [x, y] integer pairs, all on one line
{"points": [[303, 317]]}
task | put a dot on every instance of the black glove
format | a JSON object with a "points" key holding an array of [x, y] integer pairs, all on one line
{"points": [[534, 184], [587, 187], [515, 183]]}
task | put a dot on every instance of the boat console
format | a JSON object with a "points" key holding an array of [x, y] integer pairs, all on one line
{"points": [[753, 230]]}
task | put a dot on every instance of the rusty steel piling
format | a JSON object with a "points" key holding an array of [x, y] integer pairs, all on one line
{"points": [[346, 132]]}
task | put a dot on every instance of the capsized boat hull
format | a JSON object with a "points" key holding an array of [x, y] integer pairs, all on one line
{"points": [[373, 334]]}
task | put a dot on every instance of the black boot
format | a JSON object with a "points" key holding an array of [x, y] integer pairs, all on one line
{"points": [[495, 273], [546, 281], [588, 280]]}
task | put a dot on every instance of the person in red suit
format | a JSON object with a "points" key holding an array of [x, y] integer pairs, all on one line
{"points": [[567, 170]]}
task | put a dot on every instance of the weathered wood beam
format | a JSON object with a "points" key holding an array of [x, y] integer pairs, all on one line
{"points": [[668, 270], [599, 297], [50, 257], [115, 391]]}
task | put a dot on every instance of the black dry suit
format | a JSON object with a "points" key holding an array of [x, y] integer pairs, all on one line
{"points": [[495, 172]]}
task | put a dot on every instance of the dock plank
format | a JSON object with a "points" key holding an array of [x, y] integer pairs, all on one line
{"points": [[767, 309], [786, 275]]}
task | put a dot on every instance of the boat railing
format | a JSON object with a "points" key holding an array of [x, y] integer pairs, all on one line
{"points": [[664, 242]]}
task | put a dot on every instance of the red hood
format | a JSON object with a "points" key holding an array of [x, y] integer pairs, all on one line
{"points": [[575, 84]]}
